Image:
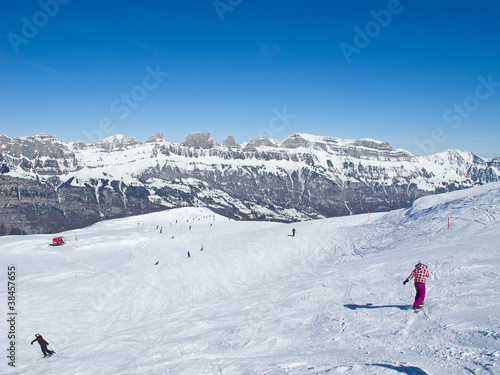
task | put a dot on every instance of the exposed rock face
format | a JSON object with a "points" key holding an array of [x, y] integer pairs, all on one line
{"points": [[28, 207], [49, 186], [230, 142], [200, 140], [261, 141], [158, 137], [117, 142]]}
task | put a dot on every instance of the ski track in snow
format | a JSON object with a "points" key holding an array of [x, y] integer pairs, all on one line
{"points": [[256, 300]]}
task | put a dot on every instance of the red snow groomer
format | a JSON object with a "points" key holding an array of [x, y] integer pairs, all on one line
{"points": [[58, 241]]}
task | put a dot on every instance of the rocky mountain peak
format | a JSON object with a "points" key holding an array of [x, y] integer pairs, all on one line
{"points": [[200, 140], [116, 142], [158, 137], [40, 145], [295, 141], [261, 141], [230, 142], [44, 137]]}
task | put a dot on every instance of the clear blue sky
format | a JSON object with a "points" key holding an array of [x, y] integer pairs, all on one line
{"points": [[423, 75]]}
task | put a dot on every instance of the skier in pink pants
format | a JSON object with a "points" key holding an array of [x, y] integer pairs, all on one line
{"points": [[420, 274]]}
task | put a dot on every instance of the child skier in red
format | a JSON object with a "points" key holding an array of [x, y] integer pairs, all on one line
{"points": [[43, 345], [420, 274]]}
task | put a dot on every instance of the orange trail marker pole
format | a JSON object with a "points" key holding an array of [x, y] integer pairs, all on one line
{"points": [[335, 247]]}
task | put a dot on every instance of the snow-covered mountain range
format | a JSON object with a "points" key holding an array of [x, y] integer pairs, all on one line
{"points": [[47, 185]]}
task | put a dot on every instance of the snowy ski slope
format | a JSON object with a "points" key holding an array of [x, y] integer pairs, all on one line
{"points": [[256, 300]]}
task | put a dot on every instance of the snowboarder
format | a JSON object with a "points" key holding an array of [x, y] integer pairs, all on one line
{"points": [[43, 345], [420, 274], [293, 232]]}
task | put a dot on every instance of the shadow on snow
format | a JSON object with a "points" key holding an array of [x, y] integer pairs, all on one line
{"points": [[372, 306], [410, 370]]}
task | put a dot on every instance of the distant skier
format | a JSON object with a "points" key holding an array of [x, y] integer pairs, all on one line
{"points": [[189, 255], [157, 263], [293, 232], [43, 345], [420, 274]]}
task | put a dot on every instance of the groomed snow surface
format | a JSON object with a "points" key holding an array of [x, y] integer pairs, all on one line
{"points": [[256, 300]]}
